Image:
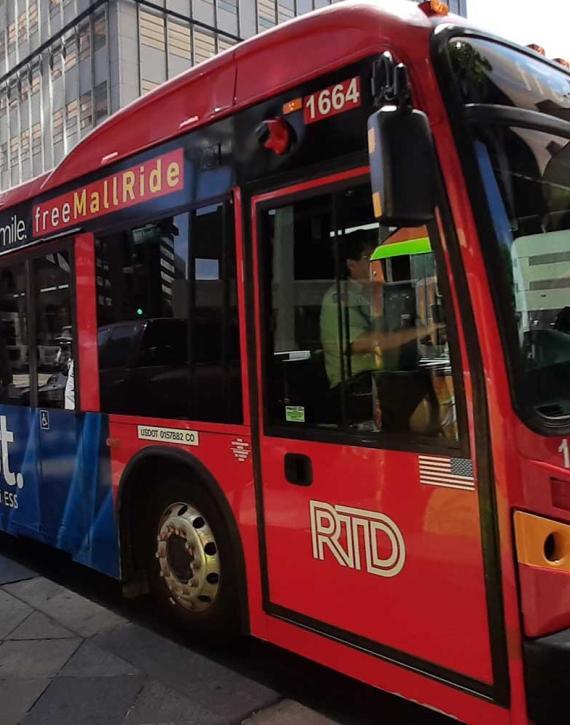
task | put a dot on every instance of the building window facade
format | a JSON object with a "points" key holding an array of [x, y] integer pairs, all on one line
{"points": [[59, 85]]}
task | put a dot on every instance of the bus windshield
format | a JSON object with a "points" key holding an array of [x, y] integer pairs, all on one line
{"points": [[523, 162]]}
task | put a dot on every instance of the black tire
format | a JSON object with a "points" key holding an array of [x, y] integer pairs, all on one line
{"points": [[219, 620]]}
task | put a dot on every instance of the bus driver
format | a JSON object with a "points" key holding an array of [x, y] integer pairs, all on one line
{"points": [[356, 320], [355, 331]]}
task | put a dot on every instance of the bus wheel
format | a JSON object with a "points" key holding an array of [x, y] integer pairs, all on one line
{"points": [[191, 568]]}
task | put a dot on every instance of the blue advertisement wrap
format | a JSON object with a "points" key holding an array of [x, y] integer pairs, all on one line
{"points": [[55, 483]]}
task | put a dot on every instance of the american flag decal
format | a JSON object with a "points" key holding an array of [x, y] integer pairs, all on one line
{"points": [[448, 472]]}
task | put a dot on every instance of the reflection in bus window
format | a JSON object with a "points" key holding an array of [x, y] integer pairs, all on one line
{"points": [[54, 339], [527, 180], [167, 313], [354, 322], [14, 360]]}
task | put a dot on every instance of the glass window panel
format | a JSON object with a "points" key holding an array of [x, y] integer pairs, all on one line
{"points": [[151, 29], [14, 358], [13, 95], [100, 102], [527, 180], [216, 372], [12, 34], [179, 39], [167, 315], [285, 10], [25, 144], [71, 119], [70, 54], [14, 151], [24, 87], [22, 28], [147, 85], [54, 331], [266, 13], [36, 80], [204, 45], [56, 65], [4, 157], [36, 139], [229, 6], [58, 126], [225, 43], [353, 344], [33, 17], [84, 42], [142, 293], [304, 6], [85, 111], [99, 30]]}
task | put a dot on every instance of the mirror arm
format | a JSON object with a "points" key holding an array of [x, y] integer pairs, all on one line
{"points": [[383, 79], [402, 87], [390, 82]]}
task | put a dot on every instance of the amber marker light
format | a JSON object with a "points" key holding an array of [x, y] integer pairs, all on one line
{"points": [[542, 542], [434, 7], [537, 48], [291, 106]]}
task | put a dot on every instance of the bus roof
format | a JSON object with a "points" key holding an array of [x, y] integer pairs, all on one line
{"points": [[289, 54]]}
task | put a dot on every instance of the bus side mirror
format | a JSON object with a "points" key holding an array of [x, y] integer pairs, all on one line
{"points": [[402, 166]]}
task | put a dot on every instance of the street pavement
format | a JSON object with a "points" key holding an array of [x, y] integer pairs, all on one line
{"points": [[67, 660]]}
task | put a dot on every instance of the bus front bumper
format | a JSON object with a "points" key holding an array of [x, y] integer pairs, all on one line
{"points": [[547, 674]]}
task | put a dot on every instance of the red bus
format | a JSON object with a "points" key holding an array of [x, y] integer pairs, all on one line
{"points": [[285, 341]]}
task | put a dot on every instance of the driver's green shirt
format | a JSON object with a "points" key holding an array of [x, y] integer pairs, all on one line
{"points": [[356, 305]]}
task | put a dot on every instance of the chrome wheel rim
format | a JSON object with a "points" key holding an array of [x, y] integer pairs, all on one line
{"points": [[188, 557]]}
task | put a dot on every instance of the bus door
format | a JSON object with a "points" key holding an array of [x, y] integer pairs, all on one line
{"points": [[371, 531], [62, 500]]}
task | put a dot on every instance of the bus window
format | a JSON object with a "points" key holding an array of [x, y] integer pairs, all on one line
{"points": [[54, 339], [354, 322], [14, 360], [167, 298], [143, 277], [526, 174]]}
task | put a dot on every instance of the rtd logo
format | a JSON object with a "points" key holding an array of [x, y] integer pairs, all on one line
{"points": [[344, 531], [6, 437]]}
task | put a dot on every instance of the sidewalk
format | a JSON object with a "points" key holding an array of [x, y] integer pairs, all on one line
{"points": [[65, 660]]}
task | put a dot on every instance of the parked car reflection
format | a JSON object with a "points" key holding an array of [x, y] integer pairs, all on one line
{"points": [[145, 369]]}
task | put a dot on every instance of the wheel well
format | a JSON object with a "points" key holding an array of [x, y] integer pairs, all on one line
{"points": [[139, 480]]}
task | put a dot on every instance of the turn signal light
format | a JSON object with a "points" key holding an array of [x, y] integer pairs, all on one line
{"points": [[542, 542], [291, 106]]}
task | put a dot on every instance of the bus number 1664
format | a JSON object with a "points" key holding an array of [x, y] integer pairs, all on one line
{"points": [[332, 100]]}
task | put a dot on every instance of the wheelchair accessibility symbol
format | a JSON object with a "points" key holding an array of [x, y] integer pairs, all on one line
{"points": [[44, 420]]}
